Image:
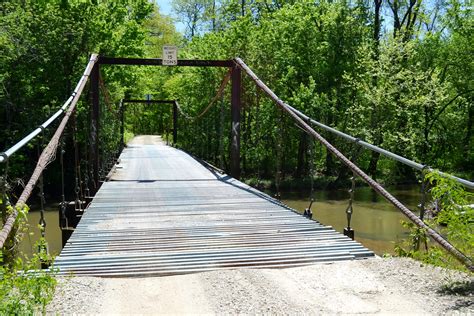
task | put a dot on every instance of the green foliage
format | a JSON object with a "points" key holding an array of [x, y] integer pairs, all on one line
{"points": [[410, 91], [400, 92], [404, 93], [24, 289], [45, 45], [457, 211], [128, 136], [454, 220], [458, 288]]}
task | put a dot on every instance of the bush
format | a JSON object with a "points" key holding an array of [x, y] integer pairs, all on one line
{"points": [[454, 219], [25, 289]]}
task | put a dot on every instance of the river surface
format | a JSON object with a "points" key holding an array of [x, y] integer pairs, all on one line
{"points": [[53, 233], [376, 222]]}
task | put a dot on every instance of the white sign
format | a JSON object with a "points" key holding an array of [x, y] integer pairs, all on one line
{"points": [[170, 56]]}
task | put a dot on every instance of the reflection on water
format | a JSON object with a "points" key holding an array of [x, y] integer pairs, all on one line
{"points": [[375, 221], [53, 233]]}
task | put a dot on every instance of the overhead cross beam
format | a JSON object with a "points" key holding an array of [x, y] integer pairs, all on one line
{"points": [[159, 62], [236, 104], [149, 101]]}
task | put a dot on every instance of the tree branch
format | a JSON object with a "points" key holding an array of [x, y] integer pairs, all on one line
{"points": [[446, 106]]}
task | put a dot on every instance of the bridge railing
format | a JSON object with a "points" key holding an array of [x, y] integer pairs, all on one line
{"points": [[48, 152], [303, 122], [389, 154], [233, 75]]}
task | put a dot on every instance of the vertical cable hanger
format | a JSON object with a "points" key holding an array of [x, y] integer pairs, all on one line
{"points": [[257, 134], [308, 212], [77, 168], [221, 133], [349, 231], [421, 236], [63, 221], [42, 245], [279, 156]]}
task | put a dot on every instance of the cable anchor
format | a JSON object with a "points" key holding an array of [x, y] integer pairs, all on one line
{"points": [[307, 212], [348, 231]]}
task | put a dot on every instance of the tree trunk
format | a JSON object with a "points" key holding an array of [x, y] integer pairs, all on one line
{"points": [[372, 169], [377, 27], [214, 15], [469, 132]]}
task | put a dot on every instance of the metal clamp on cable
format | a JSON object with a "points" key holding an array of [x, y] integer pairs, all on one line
{"points": [[307, 212], [348, 231], [63, 222], [4, 156]]}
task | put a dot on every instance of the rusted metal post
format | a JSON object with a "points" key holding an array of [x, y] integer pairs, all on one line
{"points": [[122, 128], [175, 123], [95, 125], [236, 106]]}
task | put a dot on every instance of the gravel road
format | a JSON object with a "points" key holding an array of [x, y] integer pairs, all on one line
{"points": [[374, 286]]}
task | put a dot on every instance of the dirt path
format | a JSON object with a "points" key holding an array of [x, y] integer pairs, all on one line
{"points": [[146, 140], [385, 286]]}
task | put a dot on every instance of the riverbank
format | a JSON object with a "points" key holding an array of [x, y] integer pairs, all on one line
{"points": [[389, 285]]}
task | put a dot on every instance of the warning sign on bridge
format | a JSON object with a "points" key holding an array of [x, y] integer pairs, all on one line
{"points": [[170, 56]]}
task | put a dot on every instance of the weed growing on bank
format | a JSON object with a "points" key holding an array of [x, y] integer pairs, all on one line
{"points": [[25, 289], [452, 214]]}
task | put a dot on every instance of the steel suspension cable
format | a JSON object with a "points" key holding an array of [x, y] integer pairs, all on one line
{"points": [[408, 162], [372, 183], [48, 153]]}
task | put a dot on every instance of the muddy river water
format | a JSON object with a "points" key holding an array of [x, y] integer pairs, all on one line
{"points": [[376, 222]]}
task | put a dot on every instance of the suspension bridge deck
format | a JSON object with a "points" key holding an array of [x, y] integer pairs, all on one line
{"points": [[164, 213]]}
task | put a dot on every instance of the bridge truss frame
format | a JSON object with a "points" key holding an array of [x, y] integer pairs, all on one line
{"points": [[236, 104]]}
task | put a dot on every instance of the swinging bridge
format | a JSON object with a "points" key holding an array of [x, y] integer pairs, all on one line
{"points": [[150, 208]]}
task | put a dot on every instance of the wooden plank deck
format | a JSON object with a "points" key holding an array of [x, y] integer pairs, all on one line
{"points": [[164, 213]]}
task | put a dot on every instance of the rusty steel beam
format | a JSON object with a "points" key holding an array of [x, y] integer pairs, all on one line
{"points": [[122, 126], [148, 101], [175, 122], [158, 62], [236, 105], [95, 124]]}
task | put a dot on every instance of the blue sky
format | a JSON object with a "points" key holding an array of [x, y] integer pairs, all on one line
{"points": [[165, 8]]}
